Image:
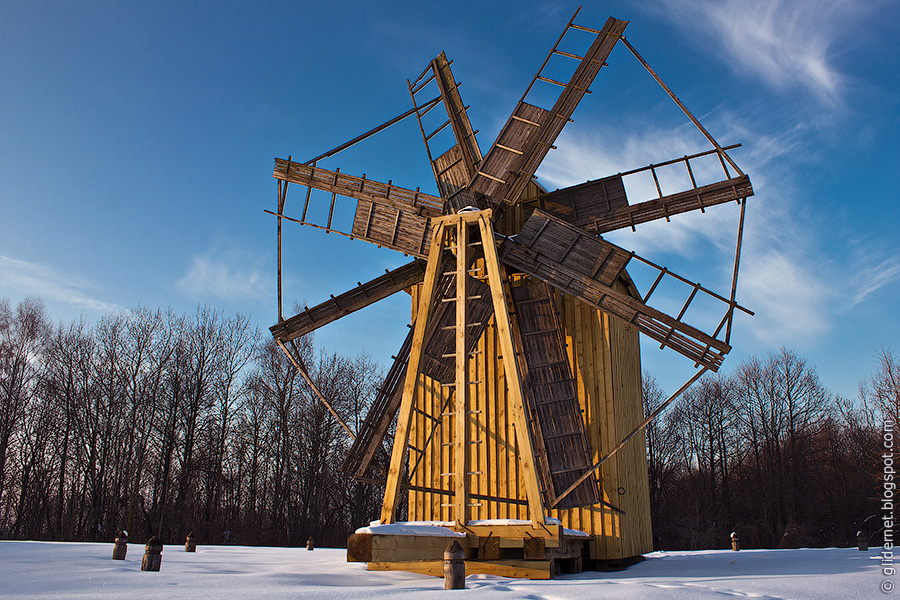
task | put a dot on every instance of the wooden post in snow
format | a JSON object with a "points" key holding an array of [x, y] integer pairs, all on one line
{"points": [[454, 567], [121, 546], [152, 555]]}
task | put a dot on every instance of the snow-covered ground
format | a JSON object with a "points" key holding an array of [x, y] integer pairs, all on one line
{"points": [[81, 570]]}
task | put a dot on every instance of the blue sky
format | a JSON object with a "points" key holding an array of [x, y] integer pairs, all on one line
{"points": [[137, 144]]}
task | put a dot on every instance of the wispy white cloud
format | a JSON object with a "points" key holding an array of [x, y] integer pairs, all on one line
{"points": [[785, 43], [871, 274], [25, 278], [228, 274], [790, 299]]}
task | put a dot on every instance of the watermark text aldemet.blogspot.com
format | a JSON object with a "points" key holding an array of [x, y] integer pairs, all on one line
{"points": [[889, 485]]}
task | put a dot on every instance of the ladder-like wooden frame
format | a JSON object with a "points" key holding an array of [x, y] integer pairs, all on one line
{"points": [[452, 233]]}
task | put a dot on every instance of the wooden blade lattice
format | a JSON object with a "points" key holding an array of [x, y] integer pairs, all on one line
{"points": [[561, 445], [351, 301], [438, 362], [453, 168], [585, 267], [601, 205], [531, 130], [386, 215]]}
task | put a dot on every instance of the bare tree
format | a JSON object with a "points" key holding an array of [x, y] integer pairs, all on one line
{"points": [[23, 336]]}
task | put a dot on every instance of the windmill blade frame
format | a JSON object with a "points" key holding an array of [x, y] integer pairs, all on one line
{"points": [[531, 130]]}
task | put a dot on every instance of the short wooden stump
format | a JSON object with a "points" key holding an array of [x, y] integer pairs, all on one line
{"points": [[152, 555], [121, 546]]}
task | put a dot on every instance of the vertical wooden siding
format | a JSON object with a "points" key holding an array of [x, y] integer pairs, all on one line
{"points": [[605, 357]]}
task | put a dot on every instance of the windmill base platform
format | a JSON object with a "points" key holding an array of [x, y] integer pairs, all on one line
{"points": [[508, 548]]}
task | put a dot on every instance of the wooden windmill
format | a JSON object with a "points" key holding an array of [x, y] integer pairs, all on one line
{"points": [[517, 389]]}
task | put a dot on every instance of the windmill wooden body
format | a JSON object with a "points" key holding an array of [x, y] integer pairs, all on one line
{"points": [[516, 394]]}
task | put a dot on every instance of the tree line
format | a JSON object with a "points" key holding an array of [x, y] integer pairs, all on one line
{"points": [[769, 453], [162, 424]]}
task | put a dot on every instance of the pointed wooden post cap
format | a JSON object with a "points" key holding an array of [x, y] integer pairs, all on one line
{"points": [[154, 545], [152, 555], [454, 567], [454, 551]]}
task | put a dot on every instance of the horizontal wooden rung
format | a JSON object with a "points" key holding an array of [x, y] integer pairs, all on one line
{"points": [[562, 435], [526, 121], [547, 364], [437, 131], [489, 176], [568, 54], [532, 300], [555, 401], [539, 332], [508, 149], [553, 81], [583, 28], [575, 470]]}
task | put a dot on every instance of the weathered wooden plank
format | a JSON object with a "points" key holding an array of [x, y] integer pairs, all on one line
{"points": [[504, 178], [703, 197], [573, 278], [584, 204], [524, 569], [391, 228], [350, 301], [359, 188], [499, 285], [560, 242], [558, 429], [401, 439]]}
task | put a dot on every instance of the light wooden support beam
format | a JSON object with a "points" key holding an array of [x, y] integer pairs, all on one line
{"points": [[461, 451], [401, 437], [513, 375], [298, 363]]}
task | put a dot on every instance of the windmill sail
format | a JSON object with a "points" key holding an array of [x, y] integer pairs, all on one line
{"points": [[585, 267], [455, 167], [386, 215], [557, 427], [531, 130], [351, 301], [601, 205]]}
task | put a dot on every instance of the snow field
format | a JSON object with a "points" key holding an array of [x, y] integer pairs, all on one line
{"points": [[43, 570]]}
